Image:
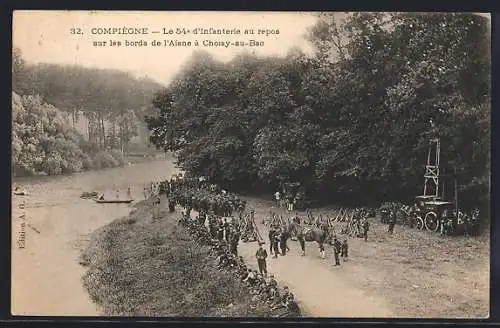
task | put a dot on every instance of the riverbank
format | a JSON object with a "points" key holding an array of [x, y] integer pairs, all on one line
{"points": [[144, 266], [47, 267], [140, 266]]}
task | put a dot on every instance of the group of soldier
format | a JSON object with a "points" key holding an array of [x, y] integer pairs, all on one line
{"points": [[288, 199], [223, 242], [449, 222], [279, 235], [195, 194]]}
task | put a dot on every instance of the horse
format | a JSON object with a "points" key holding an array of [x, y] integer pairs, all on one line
{"points": [[319, 235]]}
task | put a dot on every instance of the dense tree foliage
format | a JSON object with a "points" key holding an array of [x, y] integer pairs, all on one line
{"points": [[43, 141], [48, 104], [112, 102], [351, 121]]}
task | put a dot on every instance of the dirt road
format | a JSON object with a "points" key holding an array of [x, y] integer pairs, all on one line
{"points": [[321, 288], [408, 274]]}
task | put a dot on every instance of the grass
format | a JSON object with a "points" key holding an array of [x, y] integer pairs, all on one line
{"points": [[138, 266], [420, 273]]}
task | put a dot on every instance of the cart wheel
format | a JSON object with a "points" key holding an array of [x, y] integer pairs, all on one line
{"points": [[419, 223], [431, 221]]}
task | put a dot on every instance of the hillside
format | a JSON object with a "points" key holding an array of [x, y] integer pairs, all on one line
{"points": [[106, 106]]}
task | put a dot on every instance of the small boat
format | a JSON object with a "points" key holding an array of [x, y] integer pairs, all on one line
{"points": [[87, 195], [116, 201], [19, 192]]}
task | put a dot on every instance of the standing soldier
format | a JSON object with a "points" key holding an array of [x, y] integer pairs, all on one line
{"points": [[344, 249], [336, 250], [225, 229], [272, 232], [261, 256], [275, 242], [171, 204], [235, 238], [117, 194], [202, 216], [283, 237], [277, 198], [289, 199], [392, 222], [366, 228], [129, 193]]}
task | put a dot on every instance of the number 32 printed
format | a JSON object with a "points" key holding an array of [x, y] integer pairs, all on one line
{"points": [[76, 30]]}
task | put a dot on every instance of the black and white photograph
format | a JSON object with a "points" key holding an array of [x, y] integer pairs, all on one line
{"points": [[203, 164]]}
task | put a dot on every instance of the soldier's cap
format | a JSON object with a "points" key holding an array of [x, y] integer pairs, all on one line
{"points": [[271, 276]]}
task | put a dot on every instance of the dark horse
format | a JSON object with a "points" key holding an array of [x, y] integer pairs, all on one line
{"points": [[319, 235]]}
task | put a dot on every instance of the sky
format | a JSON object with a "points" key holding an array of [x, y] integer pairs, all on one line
{"points": [[45, 36]]}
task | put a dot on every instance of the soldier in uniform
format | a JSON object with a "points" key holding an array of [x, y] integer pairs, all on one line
{"points": [[292, 306], [220, 230], [284, 235], [225, 228], [275, 242], [366, 228], [277, 198], [392, 222], [272, 232], [286, 293], [202, 216], [235, 238], [261, 256], [336, 250], [250, 276], [344, 249]]}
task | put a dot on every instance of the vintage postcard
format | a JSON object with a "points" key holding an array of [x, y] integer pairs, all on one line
{"points": [[251, 164]]}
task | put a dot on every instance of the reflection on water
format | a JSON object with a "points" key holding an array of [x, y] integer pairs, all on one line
{"points": [[45, 274]]}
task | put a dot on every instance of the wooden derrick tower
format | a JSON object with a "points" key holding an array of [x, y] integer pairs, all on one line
{"points": [[432, 173]]}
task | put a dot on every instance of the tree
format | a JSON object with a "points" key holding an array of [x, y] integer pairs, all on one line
{"points": [[351, 121]]}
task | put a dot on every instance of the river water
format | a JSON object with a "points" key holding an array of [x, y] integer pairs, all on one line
{"points": [[49, 233]]}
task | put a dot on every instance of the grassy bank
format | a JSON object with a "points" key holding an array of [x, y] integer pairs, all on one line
{"points": [[143, 267]]}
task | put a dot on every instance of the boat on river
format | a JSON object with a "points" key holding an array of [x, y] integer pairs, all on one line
{"points": [[88, 195], [20, 192], [115, 201]]}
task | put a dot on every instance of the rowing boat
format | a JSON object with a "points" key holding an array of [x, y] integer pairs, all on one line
{"points": [[117, 201]]}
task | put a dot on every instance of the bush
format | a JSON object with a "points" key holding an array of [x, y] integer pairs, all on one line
{"points": [[104, 160], [117, 155], [87, 163]]}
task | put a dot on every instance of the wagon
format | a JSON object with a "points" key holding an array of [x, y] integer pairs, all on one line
{"points": [[432, 211]]}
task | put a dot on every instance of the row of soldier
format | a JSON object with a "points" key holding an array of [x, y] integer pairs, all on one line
{"points": [[212, 203], [195, 194], [223, 248]]}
